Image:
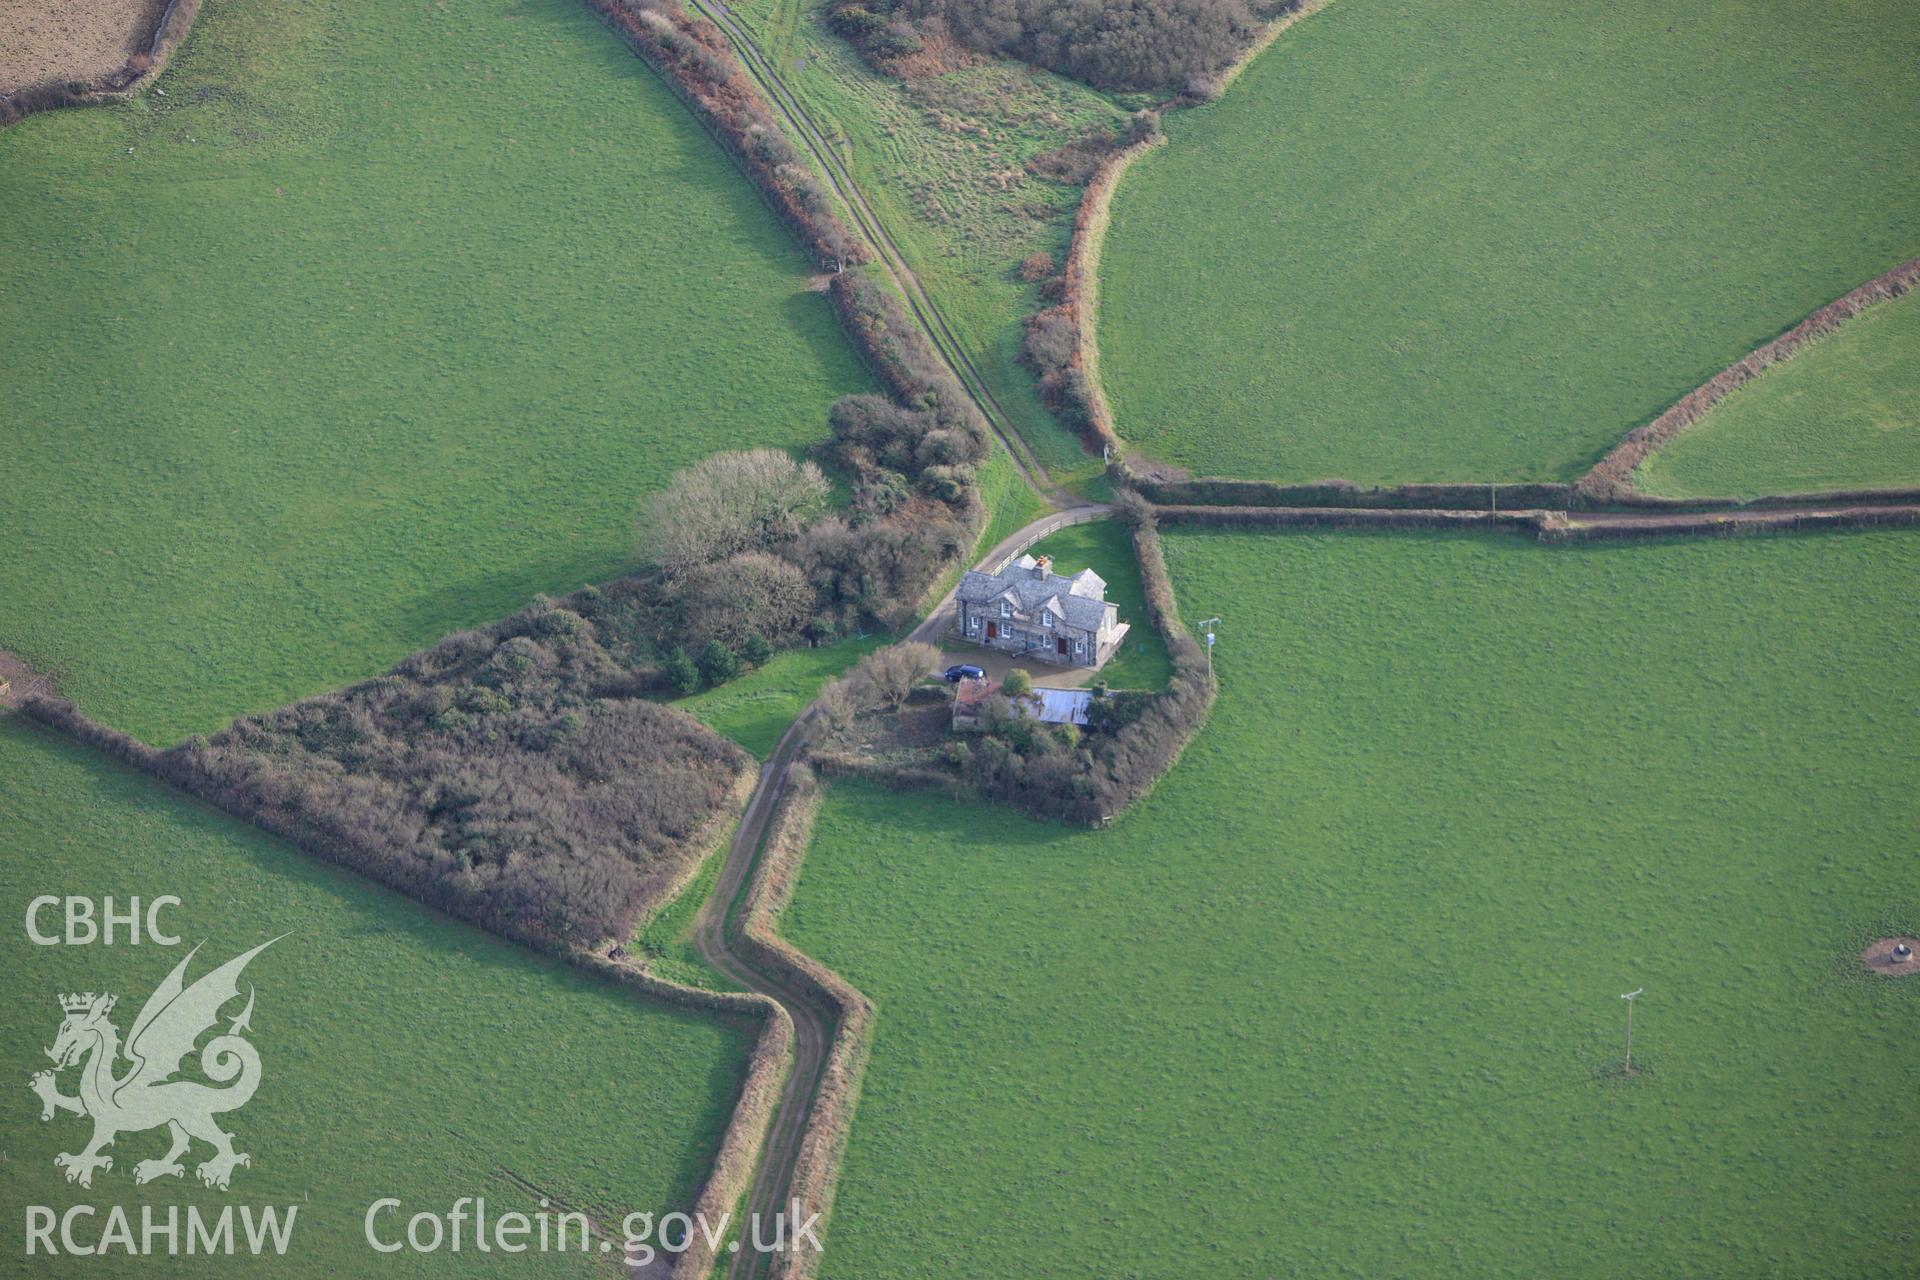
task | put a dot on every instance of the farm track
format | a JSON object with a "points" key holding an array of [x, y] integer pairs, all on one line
{"points": [[714, 933], [874, 231], [718, 926], [717, 929]]}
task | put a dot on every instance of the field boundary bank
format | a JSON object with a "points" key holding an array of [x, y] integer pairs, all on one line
{"points": [[116, 86], [818, 1005], [1553, 526], [1192, 668], [1217, 491], [890, 259], [823, 1140], [1611, 479], [740, 1142], [1080, 300], [672, 42], [748, 1121]]}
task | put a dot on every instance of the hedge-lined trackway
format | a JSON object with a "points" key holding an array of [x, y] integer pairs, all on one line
{"points": [[717, 934], [717, 928], [874, 231]]}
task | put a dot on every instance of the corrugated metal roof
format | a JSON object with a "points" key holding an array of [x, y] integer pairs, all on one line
{"points": [[1059, 706]]}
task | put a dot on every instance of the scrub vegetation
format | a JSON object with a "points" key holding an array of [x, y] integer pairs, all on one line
{"points": [[402, 1054], [953, 158], [1113, 44], [512, 776]]}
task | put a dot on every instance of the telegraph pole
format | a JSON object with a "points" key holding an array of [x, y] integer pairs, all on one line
{"points": [[1626, 1068], [1210, 624]]}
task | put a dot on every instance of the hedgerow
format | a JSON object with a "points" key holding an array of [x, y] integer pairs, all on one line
{"points": [[169, 30], [697, 61], [507, 775], [1111, 44], [1611, 479]]}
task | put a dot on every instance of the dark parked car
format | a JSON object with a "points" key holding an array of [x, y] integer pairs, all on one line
{"points": [[964, 671]]}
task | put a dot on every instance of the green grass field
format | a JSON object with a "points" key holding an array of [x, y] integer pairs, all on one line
{"points": [[1482, 242], [1340, 997], [942, 164], [376, 322], [755, 709], [402, 1054], [1843, 414], [1106, 547], [667, 939]]}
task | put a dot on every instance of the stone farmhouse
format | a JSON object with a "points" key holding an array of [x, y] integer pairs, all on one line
{"points": [[1030, 611]]}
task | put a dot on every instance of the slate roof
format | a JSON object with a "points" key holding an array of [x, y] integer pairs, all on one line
{"points": [[1078, 600]]}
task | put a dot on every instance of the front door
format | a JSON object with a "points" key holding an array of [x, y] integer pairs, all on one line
{"points": [[993, 631], [1060, 646]]}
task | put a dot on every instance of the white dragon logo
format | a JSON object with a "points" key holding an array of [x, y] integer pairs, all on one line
{"points": [[147, 1096]]}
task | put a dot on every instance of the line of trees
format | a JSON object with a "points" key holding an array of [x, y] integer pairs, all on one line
{"points": [[1111, 44]]}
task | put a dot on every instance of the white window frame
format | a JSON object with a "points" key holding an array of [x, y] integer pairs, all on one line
{"points": [[1046, 619], [1006, 608]]}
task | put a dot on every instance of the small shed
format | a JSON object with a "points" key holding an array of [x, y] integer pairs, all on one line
{"points": [[1049, 706], [1057, 706], [969, 700]]}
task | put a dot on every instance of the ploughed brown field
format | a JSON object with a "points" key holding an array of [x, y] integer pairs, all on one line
{"points": [[42, 40]]}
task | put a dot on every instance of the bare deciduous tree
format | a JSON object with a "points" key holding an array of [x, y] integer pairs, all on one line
{"points": [[750, 594], [729, 503], [885, 677], [1113, 44]]}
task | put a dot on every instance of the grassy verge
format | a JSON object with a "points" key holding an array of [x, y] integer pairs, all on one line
{"points": [[666, 939], [1843, 414], [378, 321], [1011, 505], [1339, 997], [1468, 244], [756, 709], [403, 1054], [941, 160]]}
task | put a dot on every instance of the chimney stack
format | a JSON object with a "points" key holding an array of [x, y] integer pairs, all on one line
{"points": [[1042, 566]]}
